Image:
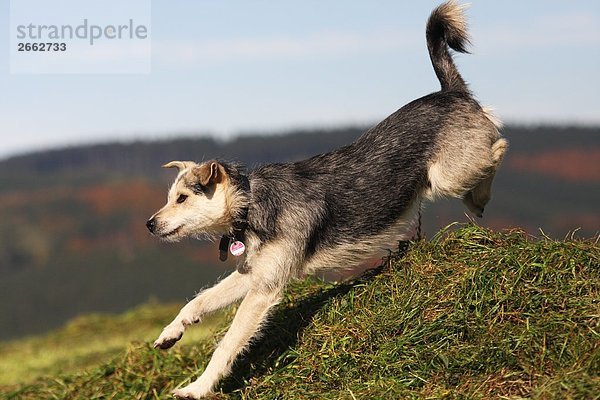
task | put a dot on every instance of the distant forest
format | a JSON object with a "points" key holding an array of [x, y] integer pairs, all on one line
{"points": [[72, 236]]}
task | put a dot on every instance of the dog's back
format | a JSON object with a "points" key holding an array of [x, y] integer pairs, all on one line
{"points": [[344, 204]]}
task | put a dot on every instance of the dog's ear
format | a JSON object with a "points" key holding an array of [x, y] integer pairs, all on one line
{"points": [[209, 173], [180, 165]]}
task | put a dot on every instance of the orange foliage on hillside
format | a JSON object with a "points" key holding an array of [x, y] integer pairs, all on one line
{"points": [[577, 165], [131, 196], [84, 219]]}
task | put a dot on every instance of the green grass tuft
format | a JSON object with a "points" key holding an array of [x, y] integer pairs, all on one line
{"points": [[471, 314]]}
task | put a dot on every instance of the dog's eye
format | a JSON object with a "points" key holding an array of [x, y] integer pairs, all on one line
{"points": [[181, 198]]}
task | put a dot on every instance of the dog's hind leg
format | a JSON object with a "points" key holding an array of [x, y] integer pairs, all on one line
{"points": [[227, 291], [480, 195], [247, 322]]}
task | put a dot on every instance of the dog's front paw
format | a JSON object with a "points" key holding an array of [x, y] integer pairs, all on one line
{"points": [[193, 391], [169, 336]]}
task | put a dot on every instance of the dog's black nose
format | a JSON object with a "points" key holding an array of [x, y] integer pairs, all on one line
{"points": [[151, 225]]}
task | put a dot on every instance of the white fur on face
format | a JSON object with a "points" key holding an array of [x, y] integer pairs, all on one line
{"points": [[199, 215]]}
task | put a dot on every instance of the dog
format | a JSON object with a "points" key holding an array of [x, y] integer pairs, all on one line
{"points": [[335, 209]]}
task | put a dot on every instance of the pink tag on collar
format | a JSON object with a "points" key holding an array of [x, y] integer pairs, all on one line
{"points": [[237, 248]]}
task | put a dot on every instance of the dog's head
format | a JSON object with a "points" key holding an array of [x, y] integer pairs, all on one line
{"points": [[199, 202]]}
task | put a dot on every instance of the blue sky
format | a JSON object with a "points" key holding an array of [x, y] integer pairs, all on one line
{"points": [[228, 67]]}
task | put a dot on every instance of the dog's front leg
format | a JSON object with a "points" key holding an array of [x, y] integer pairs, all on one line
{"points": [[251, 314], [227, 291]]}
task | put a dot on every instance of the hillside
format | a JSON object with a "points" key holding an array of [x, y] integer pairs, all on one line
{"points": [[72, 221], [470, 314]]}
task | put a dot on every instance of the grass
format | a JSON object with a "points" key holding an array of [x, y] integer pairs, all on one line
{"points": [[471, 314], [88, 341]]}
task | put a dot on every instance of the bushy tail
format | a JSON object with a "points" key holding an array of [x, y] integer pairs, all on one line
{"points": [[447, 27]]}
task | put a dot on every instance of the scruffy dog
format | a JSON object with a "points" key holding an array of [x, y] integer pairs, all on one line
{"points": [[335, 209]]}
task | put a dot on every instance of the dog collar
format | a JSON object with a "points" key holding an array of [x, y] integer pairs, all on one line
{"points": [[234, 242], [223, 247]]}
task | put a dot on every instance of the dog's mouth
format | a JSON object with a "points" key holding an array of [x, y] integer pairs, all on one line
{"points": [[171, 233]]}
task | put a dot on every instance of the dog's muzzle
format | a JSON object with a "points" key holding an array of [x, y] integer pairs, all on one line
{"points": [[151, 225]]}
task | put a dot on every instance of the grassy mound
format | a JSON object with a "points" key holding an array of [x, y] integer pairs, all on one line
{"points": [[470, 314]]}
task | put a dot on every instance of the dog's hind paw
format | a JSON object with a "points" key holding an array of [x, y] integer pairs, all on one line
{"points": [[169, 336], [474, 207]]}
